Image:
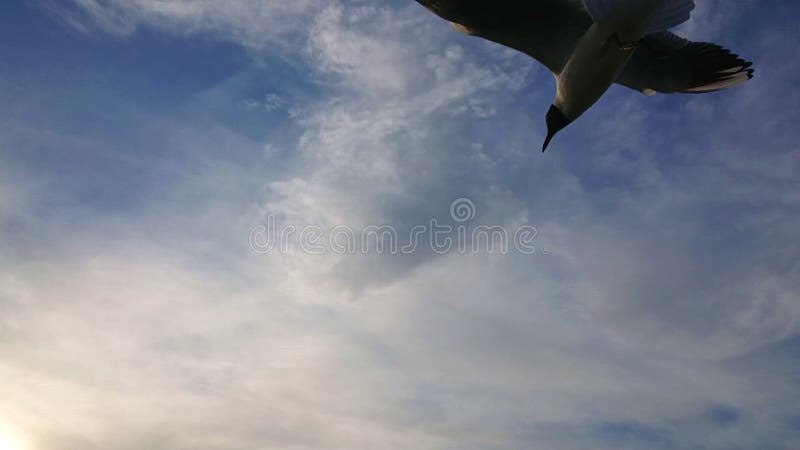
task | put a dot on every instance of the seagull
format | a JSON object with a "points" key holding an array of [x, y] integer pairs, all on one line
{"points": [[591, 44]]}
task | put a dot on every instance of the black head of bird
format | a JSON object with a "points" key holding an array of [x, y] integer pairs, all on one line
{"points": [[556, 121]]}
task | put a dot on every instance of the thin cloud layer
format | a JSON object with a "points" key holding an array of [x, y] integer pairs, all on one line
{"points": [[662, 314], [252, 23]]}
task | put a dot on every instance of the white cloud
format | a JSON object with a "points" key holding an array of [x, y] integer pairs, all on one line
{"points": [[160, 329], [250, 22]]}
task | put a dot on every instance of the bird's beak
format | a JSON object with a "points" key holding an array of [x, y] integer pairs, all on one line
{"points": [[547, 140], [556, 121]]}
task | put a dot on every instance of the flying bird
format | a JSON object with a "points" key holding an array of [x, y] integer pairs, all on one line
{"points": [[591, 44]]}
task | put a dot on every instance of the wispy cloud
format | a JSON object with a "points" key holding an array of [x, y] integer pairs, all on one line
{"points": [[672, 260]]}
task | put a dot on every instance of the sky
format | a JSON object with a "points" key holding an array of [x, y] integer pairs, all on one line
{"points": [[146, 146]]}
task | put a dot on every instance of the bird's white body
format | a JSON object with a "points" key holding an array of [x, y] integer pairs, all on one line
{"points": [[599, 58], [592, 69]]}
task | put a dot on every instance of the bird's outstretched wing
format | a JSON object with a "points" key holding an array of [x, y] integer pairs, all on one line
{"points": [[664, 14], [549, 30], [546, 30], [670, 64], [510, 15]]}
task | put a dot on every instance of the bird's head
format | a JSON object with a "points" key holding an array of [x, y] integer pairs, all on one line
{"points": [[556, 121]]}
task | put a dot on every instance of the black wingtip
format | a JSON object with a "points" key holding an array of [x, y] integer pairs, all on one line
{"points": [[715, 68]]}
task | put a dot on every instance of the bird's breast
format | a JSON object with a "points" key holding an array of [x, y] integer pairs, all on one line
{"points": [[595, 64]]}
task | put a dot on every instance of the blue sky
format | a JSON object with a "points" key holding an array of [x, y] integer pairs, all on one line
{"points": [[141, 142]]}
